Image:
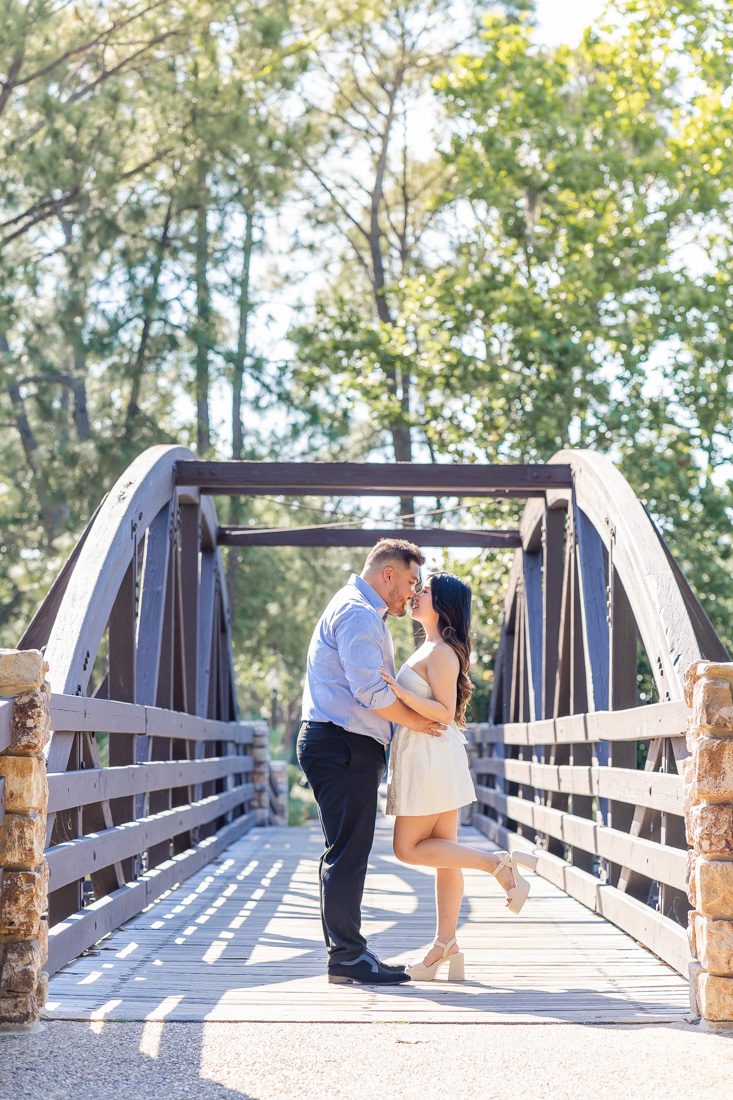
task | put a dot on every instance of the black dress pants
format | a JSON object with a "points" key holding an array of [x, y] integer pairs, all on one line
{"points": [[344, 770]]}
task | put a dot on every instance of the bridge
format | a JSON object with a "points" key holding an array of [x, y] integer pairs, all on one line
{"points": [[173, 889]]}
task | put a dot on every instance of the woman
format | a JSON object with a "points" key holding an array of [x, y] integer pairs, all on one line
{"points": [[429, 779]]}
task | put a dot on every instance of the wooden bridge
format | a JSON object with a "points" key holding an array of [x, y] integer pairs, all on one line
{"points": [[153, 779]]}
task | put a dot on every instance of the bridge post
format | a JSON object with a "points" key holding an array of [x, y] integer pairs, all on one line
{"points": [[708, 800], [23, 868], [279, 792], [261, 771]]}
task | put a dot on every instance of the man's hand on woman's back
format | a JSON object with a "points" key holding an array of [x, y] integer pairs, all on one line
{"points": [[402, 715]]}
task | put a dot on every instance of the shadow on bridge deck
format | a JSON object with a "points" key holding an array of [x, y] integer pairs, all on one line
{"points": [[241, 941]]}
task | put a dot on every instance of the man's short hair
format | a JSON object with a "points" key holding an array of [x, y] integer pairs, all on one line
{"points": [[391, 550]]}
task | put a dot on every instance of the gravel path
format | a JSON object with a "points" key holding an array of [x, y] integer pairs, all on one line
{"points": [[214, 1061]]}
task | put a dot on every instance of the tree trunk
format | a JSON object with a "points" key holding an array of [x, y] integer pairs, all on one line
{"points": [[149, 301], [72, 322], [51, 515], [242, 354], [202, 332], [79, 390], [400, 386]]}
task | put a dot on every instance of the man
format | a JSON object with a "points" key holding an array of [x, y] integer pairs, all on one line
{"points": [[348, 711]]}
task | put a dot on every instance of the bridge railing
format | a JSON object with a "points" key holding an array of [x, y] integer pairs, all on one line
{"points": [[120, 836], [580, 814]]}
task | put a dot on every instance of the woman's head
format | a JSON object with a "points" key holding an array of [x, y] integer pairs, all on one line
{"points": [[445, 603]]}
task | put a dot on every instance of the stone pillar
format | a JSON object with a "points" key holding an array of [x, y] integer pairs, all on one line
{"points": [[261, 772], [279, 774], [24, 887], [708, 802]]}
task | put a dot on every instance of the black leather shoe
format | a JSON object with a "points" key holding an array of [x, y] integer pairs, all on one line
{"points": [[366, 970]]}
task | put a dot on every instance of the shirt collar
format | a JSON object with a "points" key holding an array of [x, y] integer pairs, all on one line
{"points": [[370, 593]]}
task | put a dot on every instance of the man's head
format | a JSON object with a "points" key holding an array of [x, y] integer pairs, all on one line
{"points": [[392, 569]]}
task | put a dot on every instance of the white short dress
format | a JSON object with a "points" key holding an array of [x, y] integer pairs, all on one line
{"points": [[427, 775]]}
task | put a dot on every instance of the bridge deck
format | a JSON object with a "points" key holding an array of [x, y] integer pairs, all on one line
{"points": [[241, 941]]}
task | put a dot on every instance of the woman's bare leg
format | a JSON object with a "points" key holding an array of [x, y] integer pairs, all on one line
{"points": [[430, 841], [448, 890], [415, 843]]}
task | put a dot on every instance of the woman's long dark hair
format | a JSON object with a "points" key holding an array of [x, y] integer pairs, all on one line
{"points": [[452, 601]]}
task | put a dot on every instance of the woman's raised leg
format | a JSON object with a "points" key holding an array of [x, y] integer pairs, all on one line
{"points": [[415, 843]]}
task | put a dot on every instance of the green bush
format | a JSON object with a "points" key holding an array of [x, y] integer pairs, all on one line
{"points": [[301, 803]]}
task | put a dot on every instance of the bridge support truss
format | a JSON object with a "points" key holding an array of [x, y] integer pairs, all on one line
{"points": [[151, 772]]}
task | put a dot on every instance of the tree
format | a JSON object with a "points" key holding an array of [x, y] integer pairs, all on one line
{"points": [[111, 238], [373, 195]]}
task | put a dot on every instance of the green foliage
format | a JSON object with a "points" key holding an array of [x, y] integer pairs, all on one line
{"points": [[583, 301], [549, 265], [301, 803], [126, 128], [279, 597], [586, 171]]}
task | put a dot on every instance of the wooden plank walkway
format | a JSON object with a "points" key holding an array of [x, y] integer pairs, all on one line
{"points": [[241, 941]]}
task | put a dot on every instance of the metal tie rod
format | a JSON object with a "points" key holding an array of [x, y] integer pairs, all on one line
{"points": [[335, 536]]}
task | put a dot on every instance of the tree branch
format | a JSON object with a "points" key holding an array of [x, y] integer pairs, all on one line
{"points": [[84, 47], [334, 197]]}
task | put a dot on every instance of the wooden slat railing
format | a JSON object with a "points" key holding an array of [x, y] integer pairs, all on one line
{"points": [[163, 848], [515, 810]]}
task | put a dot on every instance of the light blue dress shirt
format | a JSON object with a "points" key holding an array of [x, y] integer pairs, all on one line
{"points": [[350, 644]]}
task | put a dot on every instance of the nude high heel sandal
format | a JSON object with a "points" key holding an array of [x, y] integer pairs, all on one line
{"points": [[516, 897], [419, 972]]}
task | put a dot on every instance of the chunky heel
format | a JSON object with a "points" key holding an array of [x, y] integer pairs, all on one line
{"points": [[419, 972], [456, 968]]}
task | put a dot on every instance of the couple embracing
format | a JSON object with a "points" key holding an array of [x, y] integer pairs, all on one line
{"points": [[354, 708]]}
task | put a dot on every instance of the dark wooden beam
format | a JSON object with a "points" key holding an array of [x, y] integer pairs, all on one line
{"points": [[508, 656], [622, 693], [122, 749], [553, 547], [533, 631], [152, 608], [189, 563], [372, 478], [622, 689], [342, 536], [592, 570]]}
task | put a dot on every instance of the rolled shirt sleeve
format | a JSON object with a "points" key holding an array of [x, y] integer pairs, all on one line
{"points": [[360, 643]]}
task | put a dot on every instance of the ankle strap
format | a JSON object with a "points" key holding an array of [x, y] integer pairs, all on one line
{"points": [[505, 861], [445, 946]]}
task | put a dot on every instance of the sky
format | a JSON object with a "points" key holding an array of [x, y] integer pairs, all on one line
{"points": [[565, 20]]}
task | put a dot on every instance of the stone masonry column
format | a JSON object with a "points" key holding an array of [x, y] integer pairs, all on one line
{"points": [[279, 774], [708, 801], [24, 888], [261, 771]]}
